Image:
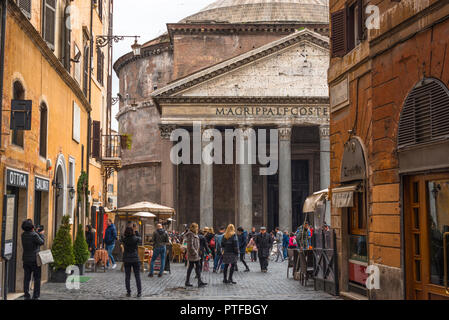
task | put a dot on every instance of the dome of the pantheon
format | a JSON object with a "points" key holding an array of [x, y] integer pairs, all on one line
{"points": [[264, 11]]}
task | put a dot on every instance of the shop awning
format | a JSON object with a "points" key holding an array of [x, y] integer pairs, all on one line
{"points": [[314, 200], [162, 212], [343, 197]]}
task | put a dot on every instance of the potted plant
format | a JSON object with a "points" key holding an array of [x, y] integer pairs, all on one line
{"points": [[81, 250], [125, 141], [62, 251]]}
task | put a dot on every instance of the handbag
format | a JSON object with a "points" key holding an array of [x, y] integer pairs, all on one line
{"points": [[44, 257]]}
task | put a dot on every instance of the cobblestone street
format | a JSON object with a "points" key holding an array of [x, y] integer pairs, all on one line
{"points": [[253, 285]]}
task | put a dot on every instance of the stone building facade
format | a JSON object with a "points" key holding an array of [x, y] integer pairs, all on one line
{"points": [[389, 139], [262, 70]]}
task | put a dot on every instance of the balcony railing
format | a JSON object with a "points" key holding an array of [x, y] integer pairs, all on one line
{"points": [[111, 148]]}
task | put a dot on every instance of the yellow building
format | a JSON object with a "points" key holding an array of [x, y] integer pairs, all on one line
{"points": [[47, 50]]}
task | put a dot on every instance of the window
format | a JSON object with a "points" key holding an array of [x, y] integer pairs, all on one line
{"points": [[76, 125], [48, 22], [100, 66], [43, 131], [86, 71], [66, 39], [18, 94], [96, 139], [347, 28], [100, 9], [25, 6], [358, 229], [77, 73]]}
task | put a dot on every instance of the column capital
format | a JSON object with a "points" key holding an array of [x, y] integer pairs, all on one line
{"points": [[166, 130], [324, 131], [285, 133]]}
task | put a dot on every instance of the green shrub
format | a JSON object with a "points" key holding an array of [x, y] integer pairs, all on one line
{"points": [[62, 248], [80, 247]]}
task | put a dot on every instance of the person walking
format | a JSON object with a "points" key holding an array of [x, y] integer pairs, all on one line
{"points": [[279, 239], [160, 239], [90, 239], [31, 243], [252, 234], [218, 249], [204, 248], [131, 240], [264, 243], [292, 242], [285, 241], [110, 236], [210, 237], [252, 246], [230, 248], [193, 255], [243, 241]]}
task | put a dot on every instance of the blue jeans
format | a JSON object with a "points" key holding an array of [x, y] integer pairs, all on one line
{"points": [[110, 248], [161, 251], [217, 258], [285, 253]]}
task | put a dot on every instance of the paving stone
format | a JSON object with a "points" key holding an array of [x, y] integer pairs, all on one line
{"points": [[253, 285]]}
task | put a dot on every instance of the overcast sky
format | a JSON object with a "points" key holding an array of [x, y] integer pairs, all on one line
{"points": [[147, 19]]}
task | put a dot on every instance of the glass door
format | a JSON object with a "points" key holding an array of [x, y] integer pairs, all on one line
{"points": [[427, 236]]}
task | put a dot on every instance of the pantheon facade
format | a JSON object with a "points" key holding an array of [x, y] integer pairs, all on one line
{"points": [[237, 64]]}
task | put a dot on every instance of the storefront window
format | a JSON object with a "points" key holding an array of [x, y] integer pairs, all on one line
{"points": [[357, 230], [438, 195]]}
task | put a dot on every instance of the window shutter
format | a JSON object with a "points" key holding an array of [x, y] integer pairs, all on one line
{"points": [[96, 137], [86, 70], [425, 115], [67, 38], [338, 29], [361, 25], [49, 22], [100, 66], [25, 5]]}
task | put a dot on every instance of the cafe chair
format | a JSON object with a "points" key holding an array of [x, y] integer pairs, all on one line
{"points": [[306, 271], [141, 253]]}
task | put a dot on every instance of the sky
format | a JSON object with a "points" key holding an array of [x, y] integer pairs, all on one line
{"points": [[147, 19]]}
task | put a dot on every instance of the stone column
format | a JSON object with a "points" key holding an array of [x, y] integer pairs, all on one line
{"points": [[246, 187], [206, 187], [325, 166], [168, 169], [285, 179]]}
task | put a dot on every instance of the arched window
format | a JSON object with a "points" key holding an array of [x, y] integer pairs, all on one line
{"points": [[425, 116], [43, 131], [18, 94]]}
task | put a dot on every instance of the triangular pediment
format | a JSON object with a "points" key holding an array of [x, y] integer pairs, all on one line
{"points": [[293, 66]]}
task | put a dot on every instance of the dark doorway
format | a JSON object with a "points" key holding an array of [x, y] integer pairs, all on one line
{"points": [[12, 264], [59, 200], [300, 191]]}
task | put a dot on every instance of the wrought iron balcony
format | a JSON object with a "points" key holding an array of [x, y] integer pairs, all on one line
{"points": [[111, 151]]}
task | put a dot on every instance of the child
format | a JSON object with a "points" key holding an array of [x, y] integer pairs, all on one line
{"points": [[253, 248]]}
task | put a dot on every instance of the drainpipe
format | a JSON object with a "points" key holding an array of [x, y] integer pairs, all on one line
{"points": [[2, 61]]}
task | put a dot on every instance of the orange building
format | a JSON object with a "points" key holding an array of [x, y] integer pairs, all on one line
{"points": [[47, 53], [388, 82]]}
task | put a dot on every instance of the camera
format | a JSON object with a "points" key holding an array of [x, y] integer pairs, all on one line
{"points": [[39, 228]]}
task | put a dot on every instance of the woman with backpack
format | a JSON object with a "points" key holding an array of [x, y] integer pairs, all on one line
{"points": [[230, 247]]}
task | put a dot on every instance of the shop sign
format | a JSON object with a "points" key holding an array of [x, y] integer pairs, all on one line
{"points": [[42, 185], [353, 165], [16, 179]]}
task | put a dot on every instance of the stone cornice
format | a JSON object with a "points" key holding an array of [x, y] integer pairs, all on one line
{"points": [[243, 100], [47, 53], [242, 28], [243, 59], [151, 50]]}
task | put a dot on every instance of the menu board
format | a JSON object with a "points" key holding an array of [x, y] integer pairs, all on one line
{"points": [[8, 226]]}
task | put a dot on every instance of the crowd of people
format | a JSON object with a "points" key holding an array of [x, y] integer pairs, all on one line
{"points": [[224, 248]]}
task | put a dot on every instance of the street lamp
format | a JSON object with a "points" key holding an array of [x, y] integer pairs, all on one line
{"points": [[103, 41], [136, 48], [72, 192]]}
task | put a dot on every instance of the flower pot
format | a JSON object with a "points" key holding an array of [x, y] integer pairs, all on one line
{"points": [[81, 268], [58, 276]]}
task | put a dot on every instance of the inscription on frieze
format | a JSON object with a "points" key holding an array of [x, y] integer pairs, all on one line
{"points": [[260, 111]]}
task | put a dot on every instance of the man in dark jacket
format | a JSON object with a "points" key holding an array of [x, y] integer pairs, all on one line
{"points": [[31, 243], [160, 238], [218, 254], [242, 237], [110, 236], [264, 242], [90, 239]]}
